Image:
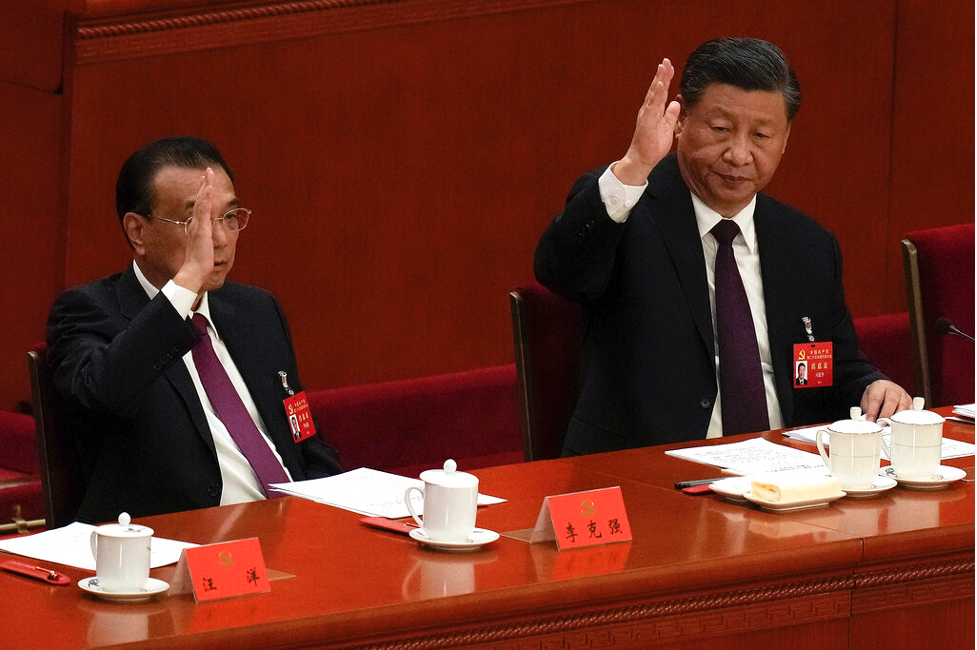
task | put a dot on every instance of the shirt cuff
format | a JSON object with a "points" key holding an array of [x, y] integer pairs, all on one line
{"points": [[618, 198], [182, 299]]}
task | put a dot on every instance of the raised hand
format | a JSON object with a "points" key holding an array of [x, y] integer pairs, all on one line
{"points": [[199, 260], [653, 131]]}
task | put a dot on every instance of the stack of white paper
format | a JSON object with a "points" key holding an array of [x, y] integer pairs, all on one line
{"points": [[754, 456], [965, 411], [70, 545], [366, 491]]}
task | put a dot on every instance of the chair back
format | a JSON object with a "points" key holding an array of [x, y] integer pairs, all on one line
{"points": [[939, 265], [546, 332], [62, 480]]}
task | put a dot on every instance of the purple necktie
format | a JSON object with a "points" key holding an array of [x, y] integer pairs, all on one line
{"points": [[744, 402], [232, 412]]}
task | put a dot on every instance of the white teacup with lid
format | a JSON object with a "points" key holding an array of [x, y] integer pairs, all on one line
{"points": [[121, 553], [855, 450], [916, 442], [450, 503]]}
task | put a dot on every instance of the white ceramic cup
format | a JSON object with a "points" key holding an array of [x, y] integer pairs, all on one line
{"points": [[121, 553], [855, 451], [450, 503], [915, 441]]}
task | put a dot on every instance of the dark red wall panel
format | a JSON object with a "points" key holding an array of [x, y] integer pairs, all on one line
{"points": [[402, 158]]}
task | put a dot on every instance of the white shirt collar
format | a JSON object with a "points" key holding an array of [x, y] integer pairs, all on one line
{"points": [[151, 291], [707, 218]]}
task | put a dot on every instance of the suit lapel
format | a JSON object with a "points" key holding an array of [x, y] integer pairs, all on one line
{"points": [[676, 222], [775, 264], [132, 300]]}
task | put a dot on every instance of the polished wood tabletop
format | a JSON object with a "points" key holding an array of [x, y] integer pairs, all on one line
{"points": [[700, 572]]}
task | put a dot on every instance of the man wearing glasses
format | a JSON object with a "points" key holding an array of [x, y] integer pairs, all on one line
{"points": [[179, 384]]}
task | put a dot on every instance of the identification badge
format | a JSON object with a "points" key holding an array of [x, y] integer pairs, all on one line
{"points": [[299, 416], [813, 363]]}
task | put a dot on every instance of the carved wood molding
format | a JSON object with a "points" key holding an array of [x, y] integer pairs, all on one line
{"points": [[687, 618], [914, 585], [723, 612], [944, 568], [100, 40]]}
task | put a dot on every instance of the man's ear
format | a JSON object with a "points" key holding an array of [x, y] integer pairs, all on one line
{"points": [[133, 225], [680, 124], [786, 137]]}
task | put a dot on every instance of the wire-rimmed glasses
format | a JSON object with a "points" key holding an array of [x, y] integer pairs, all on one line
{"points": [[234, 220]]}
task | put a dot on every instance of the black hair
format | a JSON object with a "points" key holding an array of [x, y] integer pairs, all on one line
{"points": [[134, 189], [746, 63]]}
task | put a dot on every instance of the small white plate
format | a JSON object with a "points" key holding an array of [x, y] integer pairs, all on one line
{"points": [[152, 588], [793, 505], [881, 484], [943, 477], [479, 537], [733, 488]]}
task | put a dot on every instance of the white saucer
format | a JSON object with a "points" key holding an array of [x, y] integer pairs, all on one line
{"points": [[881, 484], [152, 588], [733, 488], [479, 537], [946, 475], [793, 505]]}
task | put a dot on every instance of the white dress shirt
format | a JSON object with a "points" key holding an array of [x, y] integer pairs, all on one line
{"points": [[241, 485], [619, 199]]}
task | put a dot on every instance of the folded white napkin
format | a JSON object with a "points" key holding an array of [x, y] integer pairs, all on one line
{"points": [[785, 487]]}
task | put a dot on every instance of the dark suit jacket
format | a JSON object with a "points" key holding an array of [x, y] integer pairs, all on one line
{"points": [[141, 432], [648, 371]]}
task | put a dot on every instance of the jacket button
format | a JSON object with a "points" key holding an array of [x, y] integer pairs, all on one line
{"points": [[705, 403], [214, 490]]}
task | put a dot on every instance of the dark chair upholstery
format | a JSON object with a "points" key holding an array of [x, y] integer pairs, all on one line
{"points": [[61, 476], [885, 340], [411, 425], [546, 332], [20, 483], [939, 266]]}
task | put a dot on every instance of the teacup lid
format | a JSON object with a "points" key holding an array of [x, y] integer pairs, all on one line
{"points": [[916, 415], [124, 528], [449, 476], [857, 423]]}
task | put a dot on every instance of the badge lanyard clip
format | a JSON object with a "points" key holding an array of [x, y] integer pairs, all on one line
{"points": [[284, 376], [807, 328]]}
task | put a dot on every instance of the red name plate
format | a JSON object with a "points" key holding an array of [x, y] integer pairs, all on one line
{"points": [[227, 569], [583, 519]]}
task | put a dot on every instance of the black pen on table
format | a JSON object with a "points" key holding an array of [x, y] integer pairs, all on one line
{"points": [[681, 485]]}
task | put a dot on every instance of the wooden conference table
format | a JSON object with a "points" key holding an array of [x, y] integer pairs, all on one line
{"points": [[894, 571]]}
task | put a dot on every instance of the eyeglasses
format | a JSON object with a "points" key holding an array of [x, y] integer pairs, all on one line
{"points": [[234, 220]]}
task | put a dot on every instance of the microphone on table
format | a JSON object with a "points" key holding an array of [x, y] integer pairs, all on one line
{"points": [[944, 326]]}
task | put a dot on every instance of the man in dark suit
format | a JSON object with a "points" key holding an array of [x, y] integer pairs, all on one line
{"points": [[639, 244], [152, 434]]}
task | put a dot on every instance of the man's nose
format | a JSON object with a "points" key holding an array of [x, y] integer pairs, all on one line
{"points": [[220, 232], [739, 152]]}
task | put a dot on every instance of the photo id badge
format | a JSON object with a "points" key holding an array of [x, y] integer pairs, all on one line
{"points": [[299, 416], [813, 364]]}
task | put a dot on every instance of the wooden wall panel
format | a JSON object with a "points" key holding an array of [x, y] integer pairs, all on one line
{"points": [[29, 216], [932, 130], [402, 158]]}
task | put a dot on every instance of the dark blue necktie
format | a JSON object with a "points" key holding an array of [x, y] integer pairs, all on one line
{"points": [[744, 401]]}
